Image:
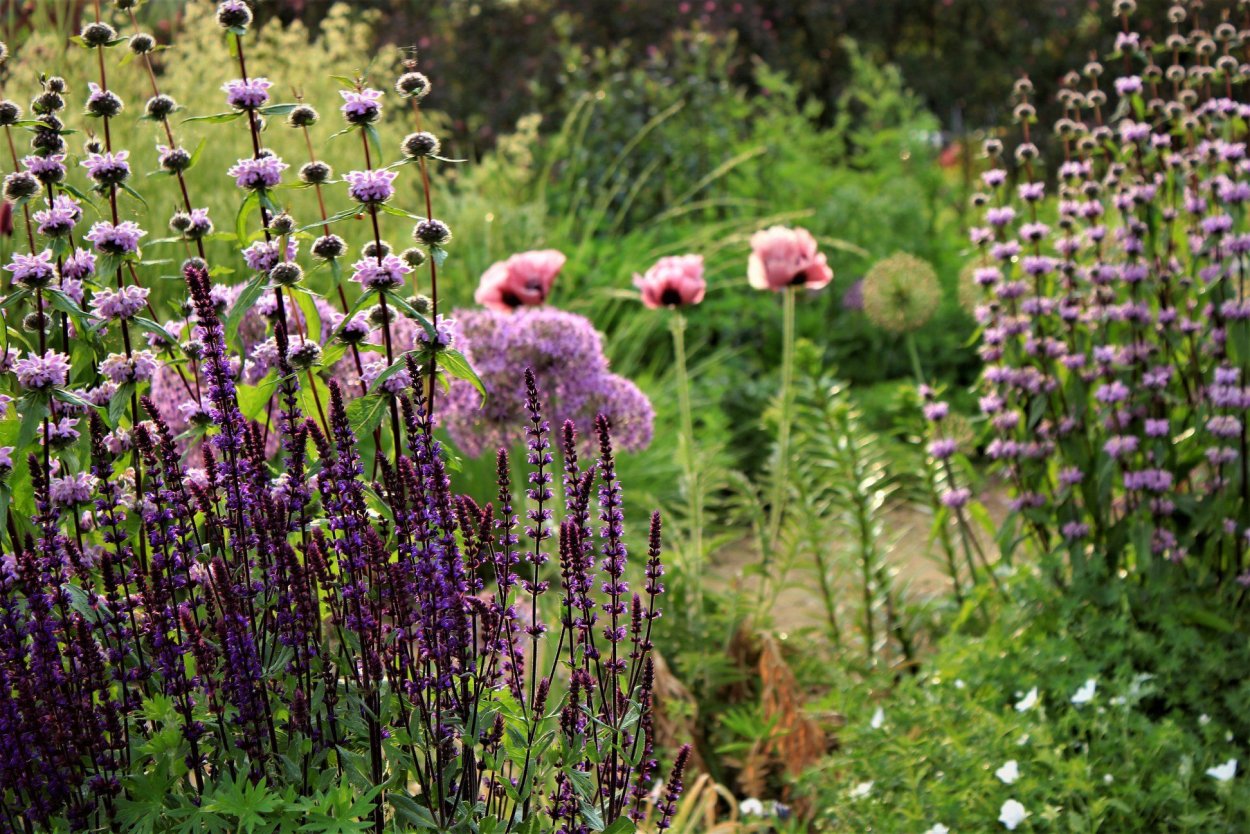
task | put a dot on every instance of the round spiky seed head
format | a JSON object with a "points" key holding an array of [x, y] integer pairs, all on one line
{"points": [[10, 113], [106, 105], [160, 106], [1123, 7], [315, 173], [234, 14], [283, 224], [142, 43], [901, 293], [418, 145], [379, 316], [413, 85], [413, 256], [1022, 88], [125, 5], [286, 274], [376, 249], [98, 33], [302, 116], [304, 355], [47, 141], [432, 232], [422, 304], [1092, 70], [192, 348], [56, 84], [1176, 14], [175, 160], [1026, 151], [180, 222], [47, 102], [20, 185], [993, 147], [93, 145], [329, 247]]}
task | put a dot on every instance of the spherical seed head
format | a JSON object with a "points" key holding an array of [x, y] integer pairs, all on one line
{"points": [[413, 256], [197, 264], [93, 145], [47, 102], [10, 113], [286, 274], [175, 160], [329, 247], [993, 147], [413, 85], [160, 106], [142, 43], [56, 84], [379, 317], [1026, 152], [125, 5], [315, 173], [180, 222], [98, 33], [418, 145], [376, 249], [47, 141], [302, 116], [304, 355], [106, 104], [34, 322], [432, 232], [422, 304], [192, 348], [234, 14], [283, 224], [20, 185], [1123, 7], [901, 293]]}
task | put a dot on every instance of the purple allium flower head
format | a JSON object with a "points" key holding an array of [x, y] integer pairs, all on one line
{"points": [[124, 303], [265, 172], [79, 265], [46, 169], [263, 256], [956, 498], [58, 219], [361, 107], [45, 371], [371, 186], [247, 94], [386, 275], [72, 489], [33, 270], [141, 366], [120, 239], [108, 168]]}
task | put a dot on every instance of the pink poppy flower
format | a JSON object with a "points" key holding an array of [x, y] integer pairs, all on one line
{"points": [[782, 257], [524, 280], [673, 282]]}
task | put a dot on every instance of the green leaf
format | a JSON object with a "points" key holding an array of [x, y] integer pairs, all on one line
{"points": [[150, 326], [364, 414], [455, 364], [250, 203], [621, 825], [33, 408], [254, 290], [398, 365], [216, 118], [134, 194], [254, 399], [411, 812], [410, 311], [307, 301], [277, 109], [119, 402]]}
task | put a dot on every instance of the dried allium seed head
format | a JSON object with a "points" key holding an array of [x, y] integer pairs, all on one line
{"points": [[901, 293], [142, 43], [234, 14], [20, 185], [286, 274], [418, 145], [283, 224], [159, 107], [302, 116], [413, 85], [329, 247], [98, 33], [10, 113], [376, 249], [432, 232], [315, 173]]}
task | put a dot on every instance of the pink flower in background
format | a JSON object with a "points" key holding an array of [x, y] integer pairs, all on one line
{"points": [[524, 280], [673, 282], [782, 257]]}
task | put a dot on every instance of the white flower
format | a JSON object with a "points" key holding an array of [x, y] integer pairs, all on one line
{"points": [[1224, 772], [959, 684], [1012, 814], [1086, 693], [1008, 773], [1028, 701], [878, 719], [938, 828], [751, 808], [1023, 740], [1204, 720], [1108, 778], [861, 790]]}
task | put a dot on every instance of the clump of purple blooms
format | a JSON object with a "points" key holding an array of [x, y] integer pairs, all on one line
{"points": [[1116, 331]]}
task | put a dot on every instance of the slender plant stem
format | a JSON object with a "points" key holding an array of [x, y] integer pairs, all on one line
{"points": [[692, 470], [776, 510]]}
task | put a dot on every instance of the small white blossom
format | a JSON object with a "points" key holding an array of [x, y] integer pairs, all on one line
{"points": [[861, 790], [1204, 720], [1224, 772], [751, 808], [938, 828], [878, 719], [1086, 693], [1028, 701], [1008, 773], [959, 684], [1012, 814]]}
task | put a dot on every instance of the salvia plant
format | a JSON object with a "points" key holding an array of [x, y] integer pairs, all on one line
{"points": [[238, 591], [1116, 326]]}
